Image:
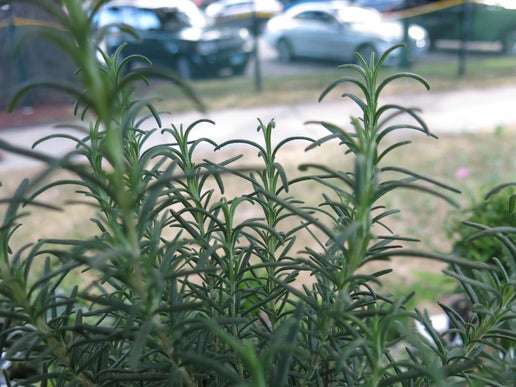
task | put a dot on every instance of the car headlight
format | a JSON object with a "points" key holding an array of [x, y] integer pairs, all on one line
{"points": [[244, 33], [246, 38], [417, 33], [206, 48]]}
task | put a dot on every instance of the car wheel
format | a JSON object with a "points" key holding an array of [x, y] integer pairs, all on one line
{"points": [[509, 44], [184, 68], [365, 51], [285, 52]]}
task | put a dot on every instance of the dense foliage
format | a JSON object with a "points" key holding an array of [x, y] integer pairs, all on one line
{"points": [[187, 284], [495, 210]]}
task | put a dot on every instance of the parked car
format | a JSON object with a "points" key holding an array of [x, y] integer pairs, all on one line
{"points": [[335, 31], [244, 13], [287, 4], [490, 21], [175, 34], [381, 5], [202, 3]]}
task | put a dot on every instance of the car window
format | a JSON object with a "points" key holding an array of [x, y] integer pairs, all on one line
{"points": [[240, 4], [143, 19], [316, 16], [140, 19], [174, 20], [192, 15], [109, 16], [149, 19], [236, 8], [358, 15]]}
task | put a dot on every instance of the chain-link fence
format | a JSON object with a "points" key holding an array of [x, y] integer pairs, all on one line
{"points": [[31, 58]]}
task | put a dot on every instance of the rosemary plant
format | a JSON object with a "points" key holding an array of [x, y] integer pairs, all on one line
{"points": [[185, 283]]}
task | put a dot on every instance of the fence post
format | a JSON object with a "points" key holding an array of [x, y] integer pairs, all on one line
{"points": [[465, 34], [255, 29], [16, 56]]}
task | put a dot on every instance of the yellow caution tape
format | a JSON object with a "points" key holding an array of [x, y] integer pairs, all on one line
{"points": [[24, 22], [437, 6]]}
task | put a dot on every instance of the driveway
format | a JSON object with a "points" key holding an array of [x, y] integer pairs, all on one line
{"points": [[468, 110]]}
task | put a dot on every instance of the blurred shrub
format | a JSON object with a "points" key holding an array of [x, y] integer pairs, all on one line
{"points": [[496, 210]]}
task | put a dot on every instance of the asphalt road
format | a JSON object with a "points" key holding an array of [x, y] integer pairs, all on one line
{"points": [[269, 64], [456, 111]]}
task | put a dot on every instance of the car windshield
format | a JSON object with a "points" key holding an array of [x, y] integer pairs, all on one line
{"points": [[192, 15], [154, 19], [175, 18], [357, 15]]}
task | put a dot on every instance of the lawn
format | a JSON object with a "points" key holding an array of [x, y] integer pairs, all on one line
{"points": [[241, 92]]}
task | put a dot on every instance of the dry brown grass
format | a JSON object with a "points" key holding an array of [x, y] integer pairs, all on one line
{"points": [[487, 157]]}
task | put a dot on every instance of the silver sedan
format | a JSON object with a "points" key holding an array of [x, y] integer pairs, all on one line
{"points": [[335, 31]]}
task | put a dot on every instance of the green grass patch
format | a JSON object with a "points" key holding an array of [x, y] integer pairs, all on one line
{"points": [[239, 92]]}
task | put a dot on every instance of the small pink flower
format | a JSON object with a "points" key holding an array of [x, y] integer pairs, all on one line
{"points": [[462, 172]]}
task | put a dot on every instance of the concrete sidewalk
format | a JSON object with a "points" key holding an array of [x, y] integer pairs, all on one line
{"points": [[468, 110]]}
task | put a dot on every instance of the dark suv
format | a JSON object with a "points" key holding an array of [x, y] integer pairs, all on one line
{"points": [[487, 21], [175, 34]]}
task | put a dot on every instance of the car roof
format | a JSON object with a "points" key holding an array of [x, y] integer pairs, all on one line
{"points": [[243, 1], [153, 4], [321, 3], [351, 13], [326, 5]]}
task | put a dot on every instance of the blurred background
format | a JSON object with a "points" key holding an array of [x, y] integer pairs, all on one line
{"points": [[457, 32]]}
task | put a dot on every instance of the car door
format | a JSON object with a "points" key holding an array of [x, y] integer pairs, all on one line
{"points": [[315, 35], [149, 28]]}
